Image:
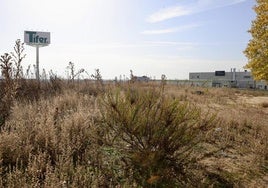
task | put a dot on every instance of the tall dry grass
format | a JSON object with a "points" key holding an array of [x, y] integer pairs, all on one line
{"points": [[130, 136], [88, 133]]}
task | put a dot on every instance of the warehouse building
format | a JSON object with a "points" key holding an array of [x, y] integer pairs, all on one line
{"points": [[226, 79]]}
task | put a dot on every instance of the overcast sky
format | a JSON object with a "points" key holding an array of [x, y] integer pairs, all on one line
{"points": [[150, 37]]}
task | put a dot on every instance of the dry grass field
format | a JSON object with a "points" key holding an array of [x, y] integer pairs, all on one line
{"points": [[245, 114], [90, 134]]}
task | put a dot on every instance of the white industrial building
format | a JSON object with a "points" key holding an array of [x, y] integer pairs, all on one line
{"points": [[226, 79]]}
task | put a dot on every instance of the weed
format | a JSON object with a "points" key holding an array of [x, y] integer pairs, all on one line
{"points": [[12, 72]]}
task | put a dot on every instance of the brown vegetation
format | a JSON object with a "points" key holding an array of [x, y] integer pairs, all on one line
{"points": [[91, 134], [134, 135]]}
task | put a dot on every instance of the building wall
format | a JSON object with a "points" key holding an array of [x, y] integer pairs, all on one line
{"points": [[227, 79]]}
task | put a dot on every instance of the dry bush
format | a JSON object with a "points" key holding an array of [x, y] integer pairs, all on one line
{"points": [[264, 104], [46, 135], [7, 89], [10, 65]]}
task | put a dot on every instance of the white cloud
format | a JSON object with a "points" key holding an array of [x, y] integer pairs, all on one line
{"points": [[199, 6], [205, 5], [161, 31], [101, 47], [169, 43], [168, 13], [170, 30]]}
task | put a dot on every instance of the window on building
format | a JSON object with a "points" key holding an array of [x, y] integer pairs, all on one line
{"points": [[197, 76], [247, 76], [219, 73]]}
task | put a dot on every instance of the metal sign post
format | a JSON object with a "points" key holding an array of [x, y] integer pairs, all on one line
{"points": [[37, 64], [37, 39]]}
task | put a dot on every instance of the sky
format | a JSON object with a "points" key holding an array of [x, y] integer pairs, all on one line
{"points": [[149, 37]]}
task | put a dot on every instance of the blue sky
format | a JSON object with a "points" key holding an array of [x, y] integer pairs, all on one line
{"points": [[150, 37]]}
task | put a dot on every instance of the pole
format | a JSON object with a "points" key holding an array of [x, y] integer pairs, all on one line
{"points": [[37, 63]]}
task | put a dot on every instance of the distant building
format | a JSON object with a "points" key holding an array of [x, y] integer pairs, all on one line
{"points": [[140, 78], [226, 79]]}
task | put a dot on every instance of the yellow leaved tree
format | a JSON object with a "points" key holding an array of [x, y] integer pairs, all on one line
{"points": [[257, 49]]}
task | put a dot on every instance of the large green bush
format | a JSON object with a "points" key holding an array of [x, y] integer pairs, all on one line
{"points": [[154, 135]]}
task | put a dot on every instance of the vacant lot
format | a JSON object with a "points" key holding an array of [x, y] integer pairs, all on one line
{"points": [[134, 135]]}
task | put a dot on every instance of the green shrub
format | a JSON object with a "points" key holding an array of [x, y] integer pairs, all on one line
{"points": [[154, 134]]}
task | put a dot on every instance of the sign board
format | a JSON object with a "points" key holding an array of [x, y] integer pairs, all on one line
{"points": [[36, 38]]}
